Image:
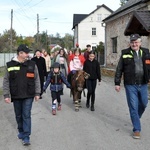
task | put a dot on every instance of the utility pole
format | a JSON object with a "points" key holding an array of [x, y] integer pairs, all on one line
{"points": [[38, 40], [46, 40], [11, 31], [37, 29]]}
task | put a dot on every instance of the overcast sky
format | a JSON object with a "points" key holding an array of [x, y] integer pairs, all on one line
{"points": [[55, 16]]}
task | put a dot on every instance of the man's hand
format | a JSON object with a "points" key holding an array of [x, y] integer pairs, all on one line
{"points": [[117, 88], [7, 100], [37, 98]]}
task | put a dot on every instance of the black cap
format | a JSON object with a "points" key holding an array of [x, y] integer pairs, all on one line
{"points": [[134, 37], [23, 48]]}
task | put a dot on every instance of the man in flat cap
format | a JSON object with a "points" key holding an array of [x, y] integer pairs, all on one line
{"points": [[134, 68], [21, 85]]}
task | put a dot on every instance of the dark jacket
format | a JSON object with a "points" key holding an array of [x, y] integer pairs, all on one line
{"points": [[40, 62], [21, 80], [92, 68], [56, 81], [126, 66]]}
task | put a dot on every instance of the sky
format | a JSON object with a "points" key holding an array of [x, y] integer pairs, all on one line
{"points": [[55, 16]]}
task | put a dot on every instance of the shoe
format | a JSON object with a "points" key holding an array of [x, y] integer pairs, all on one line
{"points": [[53, 112], [20, 135], [92, 108], [26, 141], [87, 105], [59, 107], [136, 135]]}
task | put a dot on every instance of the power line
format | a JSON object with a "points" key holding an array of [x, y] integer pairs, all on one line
{"points": [[28, 2], [36, 3]]}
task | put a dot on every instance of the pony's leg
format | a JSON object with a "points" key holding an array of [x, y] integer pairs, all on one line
{"points": [[79, 103], [76, 105], [79, 100], [73, 93], [76, 102]]}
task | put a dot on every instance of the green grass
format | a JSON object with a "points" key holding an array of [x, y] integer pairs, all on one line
{"points": [[1, 91], [2, 71]]}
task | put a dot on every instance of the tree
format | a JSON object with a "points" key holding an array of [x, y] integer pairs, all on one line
{"points": [[100, 48], [44, 41], [5, 41], [68, 41]]}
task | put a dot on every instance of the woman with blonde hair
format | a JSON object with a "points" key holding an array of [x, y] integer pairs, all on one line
{"points": [[62, 59]]}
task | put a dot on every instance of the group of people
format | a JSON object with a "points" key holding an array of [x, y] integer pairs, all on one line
{"points": [[23, 83]]}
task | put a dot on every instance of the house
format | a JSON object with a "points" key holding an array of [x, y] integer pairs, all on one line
{"points": [[87, 27], [133, 17]]}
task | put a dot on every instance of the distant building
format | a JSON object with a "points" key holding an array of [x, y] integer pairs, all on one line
{"points": [[88, 28]]}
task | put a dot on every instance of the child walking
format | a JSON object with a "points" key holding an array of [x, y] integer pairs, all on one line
{"points": [[56, 79], [92, 67]]}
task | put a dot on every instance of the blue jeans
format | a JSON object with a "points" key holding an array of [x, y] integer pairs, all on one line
{"points": [[137, 98], [22, 110]]}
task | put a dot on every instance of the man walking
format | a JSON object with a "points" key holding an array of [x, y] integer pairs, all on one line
{"points": [[21, 85], [134, 67]]}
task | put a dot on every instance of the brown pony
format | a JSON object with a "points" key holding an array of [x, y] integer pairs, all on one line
{"points": [[77, 86]]}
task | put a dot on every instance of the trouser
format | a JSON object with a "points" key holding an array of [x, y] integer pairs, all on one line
{"points": [[22, 109], [70, 75], [137, 99], [55, 98], [91, 86], [46, 75], [41, 83]]}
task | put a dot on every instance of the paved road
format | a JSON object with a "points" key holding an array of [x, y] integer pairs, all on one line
{"points": [[108, 128]]}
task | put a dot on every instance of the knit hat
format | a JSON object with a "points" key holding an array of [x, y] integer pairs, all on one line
{"points": [[56, 65]]}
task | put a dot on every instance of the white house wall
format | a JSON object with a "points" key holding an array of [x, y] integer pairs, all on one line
{"points": [[85, 29]]}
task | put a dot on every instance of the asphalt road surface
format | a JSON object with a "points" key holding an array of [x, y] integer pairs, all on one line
{"points": [[107, 128]]}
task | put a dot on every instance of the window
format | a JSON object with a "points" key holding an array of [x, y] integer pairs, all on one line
{"points": [[114, 44], [99, 17], [93, 31]]}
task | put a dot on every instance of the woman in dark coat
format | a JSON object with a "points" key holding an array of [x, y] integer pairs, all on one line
{"points": [[41, 65]]}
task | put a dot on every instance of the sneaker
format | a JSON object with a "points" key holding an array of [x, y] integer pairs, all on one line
{"points": [[53, 112], [26, 141], [136, 135], [59, 107], [20, 135]]}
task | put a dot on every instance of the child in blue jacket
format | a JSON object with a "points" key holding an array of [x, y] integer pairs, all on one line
{"points": [[56, 79]]}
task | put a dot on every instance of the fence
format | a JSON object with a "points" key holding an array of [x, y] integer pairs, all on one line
{"points": [[5, 57]]}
